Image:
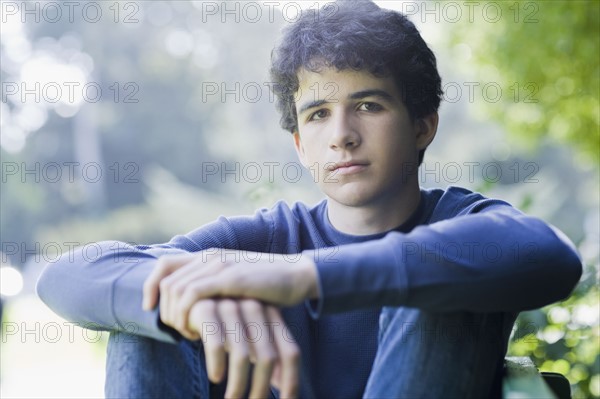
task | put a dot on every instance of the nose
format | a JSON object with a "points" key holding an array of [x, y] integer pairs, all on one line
{"points": [[344, 134]]}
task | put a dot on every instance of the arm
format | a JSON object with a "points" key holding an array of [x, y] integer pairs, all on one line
{"points": [[106, 293], [100, 285], [494, 260]]}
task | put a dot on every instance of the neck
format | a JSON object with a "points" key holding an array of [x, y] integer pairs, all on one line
{"points": [[379, 217]]}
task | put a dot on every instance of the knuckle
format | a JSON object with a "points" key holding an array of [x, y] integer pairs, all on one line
{"points": [[165, 285], [175, 290], [227, 306], [205, 306], [266, 359], [178, 289], [251, 306], [190, 292], [172, 287]]}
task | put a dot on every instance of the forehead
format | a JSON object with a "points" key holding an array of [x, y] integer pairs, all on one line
{"points": [[334, 85], [345, 77]]}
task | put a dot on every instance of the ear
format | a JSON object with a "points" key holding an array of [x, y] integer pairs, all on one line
{"points": [[299, 148], [426, 128]]}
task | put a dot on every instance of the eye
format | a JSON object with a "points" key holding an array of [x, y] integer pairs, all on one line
{"points": [[318, 115], [370, 107]]}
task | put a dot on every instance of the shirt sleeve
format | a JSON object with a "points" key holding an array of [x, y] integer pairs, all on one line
{"points": [[496, 259], [100, 285]]}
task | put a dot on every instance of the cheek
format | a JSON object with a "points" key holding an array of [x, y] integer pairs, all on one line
{"points": [[313, 148]]}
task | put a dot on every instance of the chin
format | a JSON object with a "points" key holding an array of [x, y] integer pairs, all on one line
{"points": [[351, 197], [365, 195]]}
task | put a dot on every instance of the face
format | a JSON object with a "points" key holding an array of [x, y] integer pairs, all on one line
{"points": [[356, 137]]}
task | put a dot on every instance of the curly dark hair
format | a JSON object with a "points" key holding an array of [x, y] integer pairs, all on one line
{"points": [[361, 36]]}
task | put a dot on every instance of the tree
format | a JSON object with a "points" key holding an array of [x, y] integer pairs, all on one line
{"points": [[547, 55], [550, 51]]}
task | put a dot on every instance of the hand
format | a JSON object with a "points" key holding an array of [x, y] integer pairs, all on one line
{"points": [[185, 279], [250, 332]]}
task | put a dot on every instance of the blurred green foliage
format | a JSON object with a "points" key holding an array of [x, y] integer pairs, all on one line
{"points": [[550, 50]]}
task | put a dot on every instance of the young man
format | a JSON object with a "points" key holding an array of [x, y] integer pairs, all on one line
{"points": [[382, 289]]}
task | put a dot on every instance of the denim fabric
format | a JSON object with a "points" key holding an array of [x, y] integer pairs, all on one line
{"points": [[420, 355], [438, 355], [141, 367]]}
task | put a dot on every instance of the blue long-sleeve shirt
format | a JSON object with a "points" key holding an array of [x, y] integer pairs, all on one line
{"points": [[459, 252]]}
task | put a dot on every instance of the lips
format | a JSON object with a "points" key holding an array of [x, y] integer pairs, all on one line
{"points": [[347, 167], [337, 165]]}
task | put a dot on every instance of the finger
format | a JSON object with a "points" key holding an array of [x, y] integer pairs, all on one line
{"points": [[204, 319], [165, 265], [239, 362], [173, 288], [185, 293], [174, 311], [169, 289], [188, 295], [289, 355], [262, 350]]}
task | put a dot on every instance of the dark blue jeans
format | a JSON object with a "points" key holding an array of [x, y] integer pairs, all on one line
{"points": [[141, 367], [420, 355]]}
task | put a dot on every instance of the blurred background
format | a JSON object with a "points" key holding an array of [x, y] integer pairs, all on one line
{"points": [[139, 120]]}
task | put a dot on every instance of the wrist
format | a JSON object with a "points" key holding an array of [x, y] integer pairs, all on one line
{"points": [[311, 277]]}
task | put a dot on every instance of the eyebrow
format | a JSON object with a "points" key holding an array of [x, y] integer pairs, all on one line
{"points": [[354, 96], [312, 104], [372, 93]]}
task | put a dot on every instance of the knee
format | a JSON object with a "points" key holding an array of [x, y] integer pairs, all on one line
{"points": [[138, 366]]}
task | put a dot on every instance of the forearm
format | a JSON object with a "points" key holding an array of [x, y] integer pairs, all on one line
{"points": [[487, 262], [102, 283], [100, 286]]}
